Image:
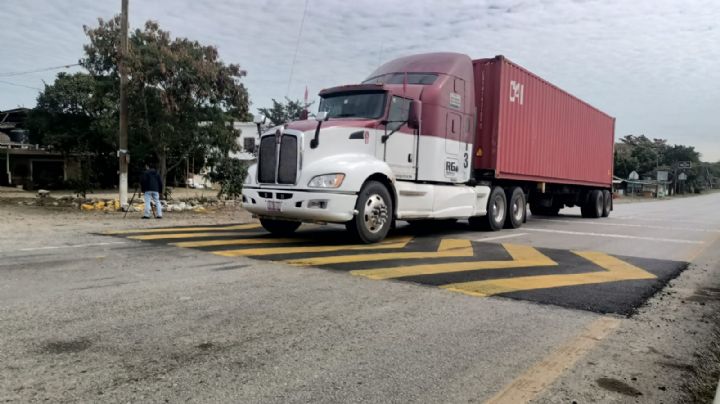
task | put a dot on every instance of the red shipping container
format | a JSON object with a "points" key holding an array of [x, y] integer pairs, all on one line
{"points": [[529, 129]]}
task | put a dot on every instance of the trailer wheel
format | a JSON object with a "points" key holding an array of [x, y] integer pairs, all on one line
{"points": [[279, 227], [593, 207], [516, 208], [494, 218], [374, 218], [607, 203]]}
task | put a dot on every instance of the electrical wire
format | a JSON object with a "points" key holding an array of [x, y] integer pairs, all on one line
{"points": [[297, 46], [45, 69], [19, 85]]}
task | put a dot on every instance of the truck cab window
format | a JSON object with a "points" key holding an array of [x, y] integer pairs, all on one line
{"points": [[399, 110], [398, 78]]}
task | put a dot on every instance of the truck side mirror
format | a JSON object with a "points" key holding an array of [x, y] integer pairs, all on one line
{"points": [[259, 119], [414, 115], [321, 116]]}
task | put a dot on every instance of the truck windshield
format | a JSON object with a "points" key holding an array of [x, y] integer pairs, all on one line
{"points": [[368, 105]]}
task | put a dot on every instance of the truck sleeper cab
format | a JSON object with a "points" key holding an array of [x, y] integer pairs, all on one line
{"points": [[409, 143]]}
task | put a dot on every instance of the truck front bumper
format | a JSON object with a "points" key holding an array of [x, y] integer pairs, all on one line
{"points": [[300, 205]]}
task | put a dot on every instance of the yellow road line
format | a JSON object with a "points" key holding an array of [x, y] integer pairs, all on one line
{"points": [[523, 256], [239, 241], [186, 229], [448, 248], [182, 235], [615, 270], [399, 242], [536, 379], [707, 243]]}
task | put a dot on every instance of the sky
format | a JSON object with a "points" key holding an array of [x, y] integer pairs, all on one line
{"points": [[652, 64]]}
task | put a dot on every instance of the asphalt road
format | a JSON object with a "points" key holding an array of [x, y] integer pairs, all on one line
{"points": [[128, 318]]}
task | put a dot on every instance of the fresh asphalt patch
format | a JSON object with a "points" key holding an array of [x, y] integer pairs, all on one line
{"points": [[583, 280]]}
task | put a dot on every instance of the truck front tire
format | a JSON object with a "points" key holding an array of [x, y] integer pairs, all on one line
{"points": [[279, 227], [494, 218], [375, 210]]}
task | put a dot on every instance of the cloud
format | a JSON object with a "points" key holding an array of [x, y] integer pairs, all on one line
{"points": [[653, 64]]}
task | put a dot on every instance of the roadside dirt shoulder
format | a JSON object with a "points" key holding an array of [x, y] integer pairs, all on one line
{"points": [[656, 354]]}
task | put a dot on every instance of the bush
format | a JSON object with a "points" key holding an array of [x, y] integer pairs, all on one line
{"points": [[230, 174]]}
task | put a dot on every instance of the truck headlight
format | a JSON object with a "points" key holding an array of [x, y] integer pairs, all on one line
{"points": [[326, 181]]}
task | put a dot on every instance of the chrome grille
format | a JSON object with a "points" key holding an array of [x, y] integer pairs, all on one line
{"points": [[278, 165]]}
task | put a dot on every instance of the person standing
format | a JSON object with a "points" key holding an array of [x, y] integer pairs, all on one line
{"points": [[151, 185]]}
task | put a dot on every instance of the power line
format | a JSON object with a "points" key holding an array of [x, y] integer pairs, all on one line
{"points": [[19, 85], [45, 69], [297, 46]]}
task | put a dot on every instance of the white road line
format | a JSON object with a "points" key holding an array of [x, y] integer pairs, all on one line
{"points": [[70, 246], [659, 219], [500, 237], [611, 235], [647, 226]]}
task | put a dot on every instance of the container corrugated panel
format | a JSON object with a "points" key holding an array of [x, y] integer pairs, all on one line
{"points": [[529, 129]]}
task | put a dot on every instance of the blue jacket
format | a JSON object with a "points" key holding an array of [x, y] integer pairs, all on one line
{"points": [[150, 181]]}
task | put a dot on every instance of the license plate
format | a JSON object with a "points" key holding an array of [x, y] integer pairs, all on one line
{"points": [[274, 206]]}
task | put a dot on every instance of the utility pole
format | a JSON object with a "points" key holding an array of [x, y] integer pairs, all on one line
{"points": [[123, 155]]}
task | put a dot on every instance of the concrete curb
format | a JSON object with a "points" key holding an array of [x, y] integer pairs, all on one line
{"points": [[717, 394]]}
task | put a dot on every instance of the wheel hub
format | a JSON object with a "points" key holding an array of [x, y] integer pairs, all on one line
{"points": [[499, 209], [376, 213]]}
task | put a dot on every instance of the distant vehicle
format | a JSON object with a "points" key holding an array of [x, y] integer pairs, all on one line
{"points": [[435, 136]]}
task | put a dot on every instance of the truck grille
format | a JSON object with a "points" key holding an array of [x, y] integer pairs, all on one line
{"points": [[269, 170], [267, 162]]}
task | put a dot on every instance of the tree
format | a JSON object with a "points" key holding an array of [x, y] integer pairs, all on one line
{"points": [[70, 118], [282, 113], [182, 97]]}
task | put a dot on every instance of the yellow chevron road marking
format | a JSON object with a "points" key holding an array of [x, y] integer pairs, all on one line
{"points": [[523, 256], [399, 242], [615, 270], [182, 235], [238, 241], [448, 248], [186, 229]]}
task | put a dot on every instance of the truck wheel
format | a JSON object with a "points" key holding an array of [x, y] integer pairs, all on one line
{"points": [[374, 218], [494, 218], [607, 203], [516, 208], [593, 207], [279, 227]]}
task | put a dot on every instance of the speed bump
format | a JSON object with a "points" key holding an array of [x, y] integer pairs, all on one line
{"points": [[587, 280]]}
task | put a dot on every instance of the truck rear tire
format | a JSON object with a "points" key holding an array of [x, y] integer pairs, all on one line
{"points": [[516, 208], [593, 207], [494, 218], [279, 227], [607, 203], [374, 218]]}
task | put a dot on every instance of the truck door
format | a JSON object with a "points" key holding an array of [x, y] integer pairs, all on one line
{"points": [[455, 163], [401, 147]]}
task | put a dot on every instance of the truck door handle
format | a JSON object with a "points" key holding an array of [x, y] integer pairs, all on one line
{"points": [[410, 158]]}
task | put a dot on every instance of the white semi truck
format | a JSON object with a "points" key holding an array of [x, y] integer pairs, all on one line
{"points": [[428, 137]]}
